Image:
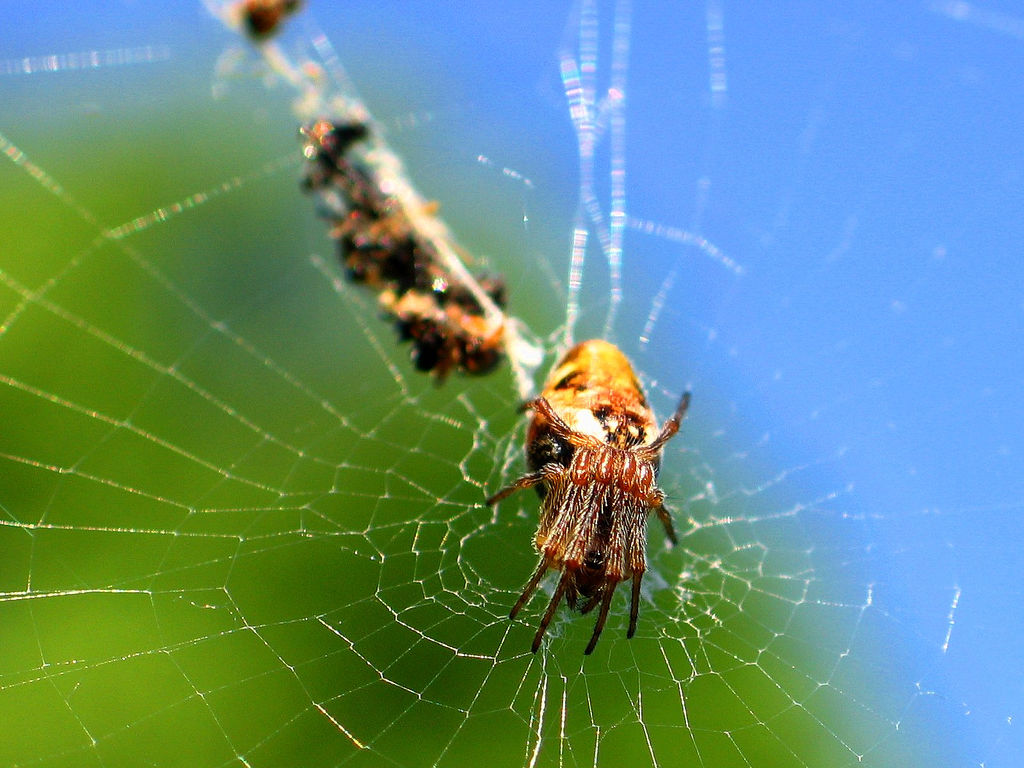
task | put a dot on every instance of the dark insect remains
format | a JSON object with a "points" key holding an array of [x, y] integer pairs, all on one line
{"points": [[380, 247]]}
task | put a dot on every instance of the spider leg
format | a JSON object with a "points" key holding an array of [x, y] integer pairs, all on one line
{"points": [[671, 426], [543, 407], [571, 595], [531, 587], [590, 604], [634, 604], [527, 405], [549, 472], [666, 520], [557, 424], [606, 602], [550, 612], [526, 481]]}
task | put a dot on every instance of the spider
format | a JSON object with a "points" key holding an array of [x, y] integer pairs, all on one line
{"points": [[594, 453]]}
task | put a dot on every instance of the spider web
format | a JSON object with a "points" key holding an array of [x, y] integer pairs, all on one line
{"points": [[236, 527]]}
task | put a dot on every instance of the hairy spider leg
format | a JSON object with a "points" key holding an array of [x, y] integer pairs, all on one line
{"points": [[666, 521], [668, 431], [670, 427], [558, 425], [634, 604], [606, 602], [548, 472], [552, 606], [526, 481], [541, 405], [591, 604], [531, 586]]}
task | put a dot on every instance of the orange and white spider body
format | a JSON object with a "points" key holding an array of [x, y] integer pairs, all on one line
{"points": [[595, 392], [594, 450]]}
